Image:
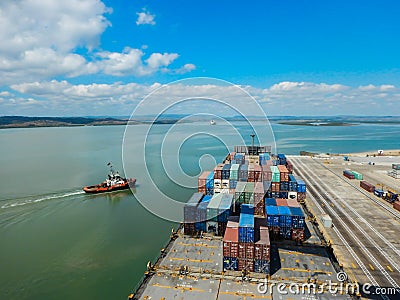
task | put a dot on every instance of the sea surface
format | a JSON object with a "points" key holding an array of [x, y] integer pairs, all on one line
{"points": [[59, 243]]}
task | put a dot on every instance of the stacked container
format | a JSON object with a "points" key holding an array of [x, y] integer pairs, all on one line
{"points": [[189, 213], [230, 246]]}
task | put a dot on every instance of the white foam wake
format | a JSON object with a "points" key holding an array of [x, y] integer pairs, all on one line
{"points": [[45, 198]]}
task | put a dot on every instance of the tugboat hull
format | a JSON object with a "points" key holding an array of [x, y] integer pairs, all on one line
{"points": [[101, 188]]}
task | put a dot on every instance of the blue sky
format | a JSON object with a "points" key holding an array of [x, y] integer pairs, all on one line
{"points": [[92, 57]]}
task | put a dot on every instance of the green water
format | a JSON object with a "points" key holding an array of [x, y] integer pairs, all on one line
{"points": [[57, 242]]}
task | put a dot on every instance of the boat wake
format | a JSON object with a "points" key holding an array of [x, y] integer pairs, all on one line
{"points": [[25, 201]]}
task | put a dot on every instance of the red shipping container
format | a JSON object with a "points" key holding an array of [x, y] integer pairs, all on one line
{"points": [[263, 245], [281, 202], [289, 166], [246, 250], [367, 186], [218, 171], [284, 172], [396, 205], [301, 196], [275, 186], [202, 180], [298, 234], [230, 242], [246, 264]]}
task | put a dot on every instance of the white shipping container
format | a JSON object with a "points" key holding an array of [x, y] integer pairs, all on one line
{"points": [[292, 195], [326, 221], [225, 191], [217, 190], [225, 183]]}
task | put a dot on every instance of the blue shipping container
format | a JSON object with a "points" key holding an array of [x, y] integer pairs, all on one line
{"points": [[270, 201], [261, 266], [301, 186], [200, 226], [225, 208], [232, 184], [231, 263], [246, 228], [272, 216], [283, 195], [285, 216], [247, 209], [284, 186], [298, 219]]}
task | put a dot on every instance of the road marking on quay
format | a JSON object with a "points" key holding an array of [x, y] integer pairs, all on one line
{"points": [[383, 271], [346, 244]]}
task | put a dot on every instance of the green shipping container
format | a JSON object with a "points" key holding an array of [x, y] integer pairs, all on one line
{"points": [[357, 175]]}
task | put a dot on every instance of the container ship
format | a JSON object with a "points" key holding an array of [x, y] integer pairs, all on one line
{"points": [[246, 217]]}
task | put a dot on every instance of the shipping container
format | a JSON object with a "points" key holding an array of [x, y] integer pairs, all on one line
{"points": [[285, 232], [357, 175], [234, 172], [218, 171], [270, 201], [301, 186], [285, 216], [190, 208], [246, 250], [243, 172], [246, 264], [292, 195], [231, 242], [326, 220], [246, 228], [200, 226], [276, 175], [202, 209], [189, 228], [275, 186], [284, 173], [301, 196], [292, 202], [239, 192], [202, 181], [283, 195], [289, 166], [396, 205], [281, 202], [348, 174], [261, 266], [298, 218], [263, 245], [225, 208], [226, 171], [225, 183], [267, 174], [221, 228], [231, 264], [217, 183], [367, 186], [212, 208], [272, 213], [247, 209], [232, 184], [284, 187], [297, 234]]}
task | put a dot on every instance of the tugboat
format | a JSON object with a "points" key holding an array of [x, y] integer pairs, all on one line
{"points": [[114, 182]]}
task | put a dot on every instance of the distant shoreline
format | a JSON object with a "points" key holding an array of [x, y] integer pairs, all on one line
{"points": [[7, 122]]}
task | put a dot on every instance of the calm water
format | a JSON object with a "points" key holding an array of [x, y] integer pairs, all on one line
{"points": [[57, 242]]}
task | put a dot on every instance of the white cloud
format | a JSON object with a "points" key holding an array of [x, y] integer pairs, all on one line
{"points": [[121, 99], [39, 40], [144, 17]]}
